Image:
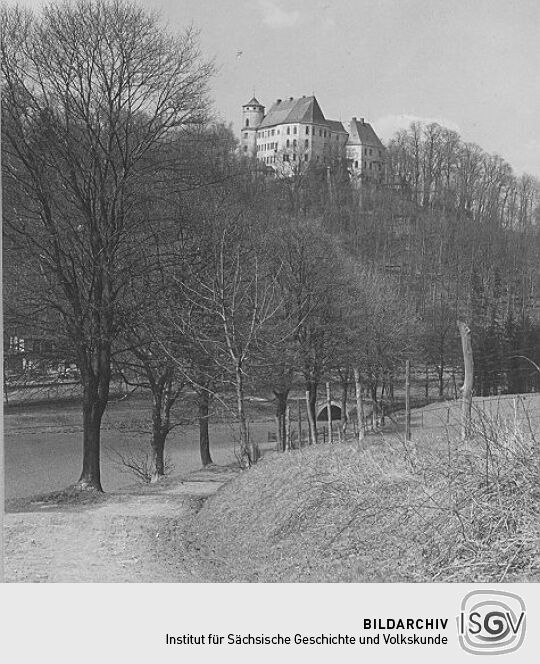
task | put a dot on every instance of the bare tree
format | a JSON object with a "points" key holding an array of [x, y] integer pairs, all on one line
{"points": [[93, 89], [228, 286]]}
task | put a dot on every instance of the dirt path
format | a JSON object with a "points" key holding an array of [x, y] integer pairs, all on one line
{"points": [[132, 535]]}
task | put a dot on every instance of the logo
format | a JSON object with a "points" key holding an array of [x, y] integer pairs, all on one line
{"points": [[491, 622]]}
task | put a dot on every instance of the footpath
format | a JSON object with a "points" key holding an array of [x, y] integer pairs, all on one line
{"points": [[131, 535]]}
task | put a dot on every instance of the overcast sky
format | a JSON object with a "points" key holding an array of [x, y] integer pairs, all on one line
{"points": [[473, 65]]}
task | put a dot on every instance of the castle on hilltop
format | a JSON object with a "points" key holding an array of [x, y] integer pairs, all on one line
{"points": [[295, 131]]}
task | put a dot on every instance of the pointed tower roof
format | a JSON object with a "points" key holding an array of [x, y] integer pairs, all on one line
{"points": [[253, 102]]}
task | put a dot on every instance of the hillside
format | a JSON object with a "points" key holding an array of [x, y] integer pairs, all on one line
{"points": [[432, 511]]}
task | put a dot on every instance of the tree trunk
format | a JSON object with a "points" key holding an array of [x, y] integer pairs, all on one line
{"points": [[344, 399], [157, 443], [329, 413], [204, 436], [440, 372], [249, 451], [93, 409], [311, 420], [288, 444], [299, 407], [312, 389], [359, 407], [281, 420], [408, 400], [158, 455]]}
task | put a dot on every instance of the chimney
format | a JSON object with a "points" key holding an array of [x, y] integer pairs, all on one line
{"points": [[362, 121], [278, 101], [354, 119], [291, 98]]}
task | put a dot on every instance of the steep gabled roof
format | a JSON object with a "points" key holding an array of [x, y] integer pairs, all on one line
{"points": [[362, 133], [304, 109], [253, 102], [336, 125]]}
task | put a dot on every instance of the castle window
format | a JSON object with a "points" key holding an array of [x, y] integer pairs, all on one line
{"points": [[245, 148], [285, 157], [313, 131], [294, 143], [306, 157], [273, 132], [356, 164], [307, 131], [294, 157], [294, 130], [325, 133], [288, 143], [365, 165], [370, 152], [306, 143], [288, 130]]}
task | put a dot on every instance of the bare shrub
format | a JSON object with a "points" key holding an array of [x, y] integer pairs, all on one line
{"points": [[140, 462]]}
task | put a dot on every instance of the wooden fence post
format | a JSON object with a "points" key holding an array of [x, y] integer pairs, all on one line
{"points": [[466, 404], [408, 400]]}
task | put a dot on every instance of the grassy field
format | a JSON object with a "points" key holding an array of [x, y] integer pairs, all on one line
{"points": [[44, 442], [431, 510]]}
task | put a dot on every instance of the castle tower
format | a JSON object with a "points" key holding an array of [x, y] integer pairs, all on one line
{"points": [[252, 116]]}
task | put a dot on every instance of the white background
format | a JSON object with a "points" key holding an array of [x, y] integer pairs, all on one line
{"points": [[107, 623]]}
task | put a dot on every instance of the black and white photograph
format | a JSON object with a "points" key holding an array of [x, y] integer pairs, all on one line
{"points": [[271, 293]]}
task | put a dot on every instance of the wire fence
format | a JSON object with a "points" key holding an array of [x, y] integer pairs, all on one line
{"points": [[389, 417]]}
